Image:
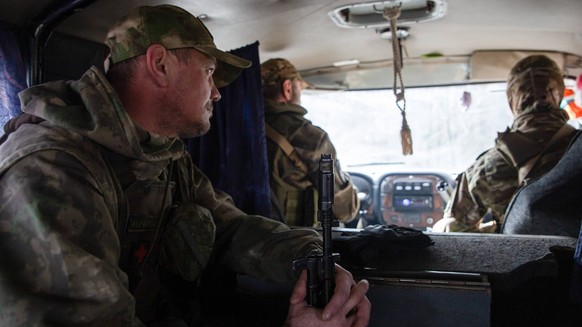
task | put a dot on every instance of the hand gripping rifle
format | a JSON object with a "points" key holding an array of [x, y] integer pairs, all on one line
{"points": [[321, 267]]}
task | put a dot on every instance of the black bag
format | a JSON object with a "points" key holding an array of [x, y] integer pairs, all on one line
{"points": [[361, 248]]}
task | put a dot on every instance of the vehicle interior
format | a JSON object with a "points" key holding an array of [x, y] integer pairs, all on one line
{"points": [[437, 66]]}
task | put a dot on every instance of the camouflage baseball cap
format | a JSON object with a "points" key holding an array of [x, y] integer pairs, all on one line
{"points": [[275, 71], [174, 28]]}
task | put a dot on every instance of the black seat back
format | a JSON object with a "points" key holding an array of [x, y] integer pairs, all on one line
{"points": [[551, 204]]}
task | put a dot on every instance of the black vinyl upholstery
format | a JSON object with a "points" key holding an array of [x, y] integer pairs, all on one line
{"points": [[551, 204]]}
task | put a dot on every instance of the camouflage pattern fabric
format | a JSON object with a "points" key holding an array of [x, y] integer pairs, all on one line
{"points": [[61, 211], [182, 253], [309, 142], [487, 186], [535, 81], [275, 71], [174, 28]]}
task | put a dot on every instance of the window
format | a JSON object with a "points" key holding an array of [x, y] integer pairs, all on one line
{"points": [[447, 137]]}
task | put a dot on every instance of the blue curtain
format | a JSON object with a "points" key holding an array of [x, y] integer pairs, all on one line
{"points": [[12, 76], [233, 153], [576, 289]]}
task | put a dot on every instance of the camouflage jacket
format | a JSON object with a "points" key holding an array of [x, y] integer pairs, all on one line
{"points": [[487, 186], [64, 216], [290, 184]]}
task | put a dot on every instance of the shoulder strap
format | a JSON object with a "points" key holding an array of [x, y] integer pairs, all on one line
{"points": [[289, 150], [563, 132], [516, 145]]}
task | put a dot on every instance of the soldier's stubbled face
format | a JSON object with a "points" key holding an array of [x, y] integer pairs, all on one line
{"points": [[190, 106]]}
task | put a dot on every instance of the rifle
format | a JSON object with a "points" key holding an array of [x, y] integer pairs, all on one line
{"points": [[321, 268]]}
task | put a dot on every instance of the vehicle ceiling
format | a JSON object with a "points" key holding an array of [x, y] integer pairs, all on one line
{"points": [[303, 32]]}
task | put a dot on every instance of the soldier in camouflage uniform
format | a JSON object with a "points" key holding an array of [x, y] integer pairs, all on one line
{"points": [[537, 139], [100, 200], [294, 175]]}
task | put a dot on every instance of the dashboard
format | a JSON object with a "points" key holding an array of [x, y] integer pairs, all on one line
{"points": [[414, 200]]}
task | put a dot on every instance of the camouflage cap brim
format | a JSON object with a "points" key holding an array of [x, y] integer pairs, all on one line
{"points": [[228, 66], [174, 28]]}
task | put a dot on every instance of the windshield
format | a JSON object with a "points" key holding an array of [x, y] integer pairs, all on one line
{"points": [[447, 133]]}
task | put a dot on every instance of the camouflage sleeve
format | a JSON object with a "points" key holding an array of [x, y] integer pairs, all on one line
{"points": [[463, 208], [487, 186], [250, 244], [59, 248], [346, 201], [494, 183]]}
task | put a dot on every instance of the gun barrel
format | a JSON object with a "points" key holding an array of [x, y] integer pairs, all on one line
{"points": [[321, 268], [326, 196], [326, 191]]}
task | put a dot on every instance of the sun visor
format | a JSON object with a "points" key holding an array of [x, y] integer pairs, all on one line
{"points": [[495, 65]]}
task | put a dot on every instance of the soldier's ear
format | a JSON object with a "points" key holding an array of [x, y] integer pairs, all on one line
{"points": [[157, 64], [287, 89]]}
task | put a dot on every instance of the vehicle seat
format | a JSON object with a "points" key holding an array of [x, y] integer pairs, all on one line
{"points": [[551, 204]]}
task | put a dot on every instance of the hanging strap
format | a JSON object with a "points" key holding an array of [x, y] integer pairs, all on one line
{"points": [[391, 14], [289, 150]]}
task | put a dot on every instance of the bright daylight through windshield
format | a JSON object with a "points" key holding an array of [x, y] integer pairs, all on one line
{"points": [[365, 126]]}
